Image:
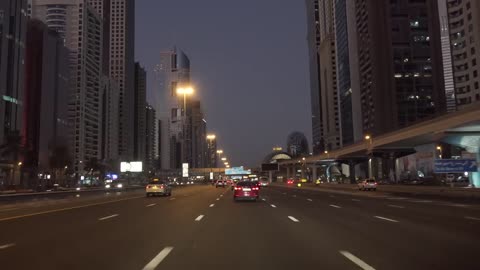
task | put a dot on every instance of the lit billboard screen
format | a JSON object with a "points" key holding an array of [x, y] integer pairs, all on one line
{"points": [[134, 166], [237, 171]]}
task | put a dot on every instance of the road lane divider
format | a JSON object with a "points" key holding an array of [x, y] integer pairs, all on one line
{"points": [[360, 263], [335, 206], [263, 199], [150, 205], [396, 206], [310, 200], [473, 218], [199, 218], [158, 259], [218, 199], [108, 217], [7, 246], [69, 208], [273, 205], [171, 199], [387, 219], [212, 205], [293, 219]]}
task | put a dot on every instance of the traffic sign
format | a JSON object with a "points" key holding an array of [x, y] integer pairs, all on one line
{"points": [[455, 165]]}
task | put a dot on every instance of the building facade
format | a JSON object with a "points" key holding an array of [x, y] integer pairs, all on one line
{"points": [[110, 122], [172, 72], [139, 112], [47, 89], [13, 29], [211, 153], [400, 63], [199, 135], [313, 39], [151, 135], [464, 36], [81, 27]]}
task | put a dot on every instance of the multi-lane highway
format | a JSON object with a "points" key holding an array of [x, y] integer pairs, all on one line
{"points": [[201, 227]]}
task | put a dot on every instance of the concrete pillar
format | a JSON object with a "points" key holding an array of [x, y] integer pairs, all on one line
{"points": [[370, 167], [475, 176], [351, 166], [288, 172], [314, 173]]}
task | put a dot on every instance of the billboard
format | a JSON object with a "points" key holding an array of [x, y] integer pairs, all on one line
{"points": [[269, 167], [237, 171], [455, 165], [134, 166], [185, 170]]}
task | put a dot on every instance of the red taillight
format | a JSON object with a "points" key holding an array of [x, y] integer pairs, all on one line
{"points": [[161, 186], [149, 186], [375, 183], [238, 188], [255, 188]]}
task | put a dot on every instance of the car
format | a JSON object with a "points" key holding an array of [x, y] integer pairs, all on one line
{"points": [[155, 188], [264, 182], [246, 190], [290, 182], [367, 184], [115, 185], [220, 183]]}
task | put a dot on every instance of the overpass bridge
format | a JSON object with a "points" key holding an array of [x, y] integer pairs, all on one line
{"points": [[460, 129]]}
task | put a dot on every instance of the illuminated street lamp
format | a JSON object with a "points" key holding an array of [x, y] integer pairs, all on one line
{"points": [[20, 163], [224, 159], [211, 137], [367, 137], [326, 152]]}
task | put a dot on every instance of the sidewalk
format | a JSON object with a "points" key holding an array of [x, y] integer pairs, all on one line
{"points": [[399, 190]]}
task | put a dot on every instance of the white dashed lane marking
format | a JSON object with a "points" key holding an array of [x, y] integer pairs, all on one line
{"points": [[293, 219], [108, 217], [199, 218], [387, 219], [363, 265], [158, 259], [7, 246]]}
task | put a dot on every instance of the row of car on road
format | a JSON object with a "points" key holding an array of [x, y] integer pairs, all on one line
{"points": [[243, 189]]}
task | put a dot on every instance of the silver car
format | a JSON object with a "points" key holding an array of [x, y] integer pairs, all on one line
{"points": [[368, 184]]}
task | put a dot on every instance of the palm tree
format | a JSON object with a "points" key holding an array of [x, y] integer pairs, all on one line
{"points": [[11, 151]]}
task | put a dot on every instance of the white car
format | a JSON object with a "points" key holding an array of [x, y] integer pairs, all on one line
{"points": [[368, 184], [156, 188]]}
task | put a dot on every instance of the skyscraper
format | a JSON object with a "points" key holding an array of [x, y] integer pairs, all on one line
{"points": [[110, 121], [13, 28], [47, 89], [464, 36], [81, 27], [199, 135], [400, 63], [211, 153], [172, 72], [313, 39], [139, 112], [151, 134], [120, 15]]}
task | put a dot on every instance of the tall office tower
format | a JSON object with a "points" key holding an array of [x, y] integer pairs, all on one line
{"points": [[450, 96], [328, 76], [110, 122], [400, 63], [464, 30], [199, 135], [150, 123], [120, 18], [172, 72], [81, 28], [211, 153], [13, 28], [47, 89], [347, 73], [313, 39], [139, 112]]}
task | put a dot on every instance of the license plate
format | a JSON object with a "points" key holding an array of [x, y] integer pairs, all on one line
{"points": [[247, 189]]}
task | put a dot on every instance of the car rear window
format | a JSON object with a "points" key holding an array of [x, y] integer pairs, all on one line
{"points": [[370, 181], [157, 183], [245, 184]]}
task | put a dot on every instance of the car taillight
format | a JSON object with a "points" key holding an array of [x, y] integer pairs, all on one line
{"points": [[375, 183], [255, 188], [238, 188], [149, 186], [161, 186]]}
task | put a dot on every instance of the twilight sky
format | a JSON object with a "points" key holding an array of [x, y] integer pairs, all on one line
{"points": [[249, 66]]}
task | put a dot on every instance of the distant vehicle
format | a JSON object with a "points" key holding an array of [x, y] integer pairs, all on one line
{"points": [[264, 182], [290, 182], [368, 184], [117, 185], [246, 190], [155, 188], [220, 183]]}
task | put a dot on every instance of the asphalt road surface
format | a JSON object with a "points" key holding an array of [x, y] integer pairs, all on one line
{"points": [[201, 227]]}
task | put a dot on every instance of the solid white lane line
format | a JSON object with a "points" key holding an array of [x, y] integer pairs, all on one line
{"points": [[158, 259], [8, 209], [199, 218], [387, 219], [152, 204], [473, 218], [212, 205], [273, 205], [263, 199], [7, 246], [355, 200], [310, 200], [171, 199], [356, 260], [221, 195], [335, 206], [396, 206], [218, 199], [107, 217], [293, 219]]}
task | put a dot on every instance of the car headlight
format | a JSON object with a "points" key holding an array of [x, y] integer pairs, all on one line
{"points": [[77, 188], [107, 186], [119, 185]]}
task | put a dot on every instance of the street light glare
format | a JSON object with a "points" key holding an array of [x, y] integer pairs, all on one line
{"points": [[185, 91], [224, 158], [211, 137], [219, 151], [367, 137], [439, 147]]}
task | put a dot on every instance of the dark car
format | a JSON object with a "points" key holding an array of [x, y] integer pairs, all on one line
{"points": [[246, 190]]}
